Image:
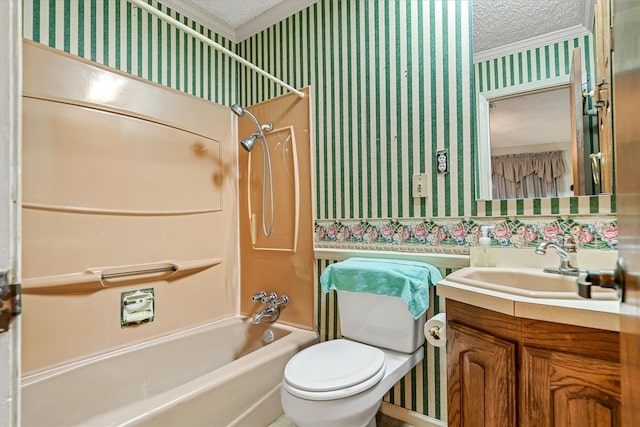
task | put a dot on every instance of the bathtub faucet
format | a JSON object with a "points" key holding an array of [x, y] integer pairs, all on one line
{"points": [[273, 303]]}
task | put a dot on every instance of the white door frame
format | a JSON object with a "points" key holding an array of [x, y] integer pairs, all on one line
{"points": [[10, 201]]}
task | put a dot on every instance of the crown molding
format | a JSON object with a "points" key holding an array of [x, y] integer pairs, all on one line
{"points": [[261, 22], [531, 43], [270, 17], [586, 27]]}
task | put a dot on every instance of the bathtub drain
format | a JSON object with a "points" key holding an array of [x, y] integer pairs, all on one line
{"points": [[268, 336]]}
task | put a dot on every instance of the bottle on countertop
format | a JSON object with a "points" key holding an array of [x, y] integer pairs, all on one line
{"points": [[485, 254]]}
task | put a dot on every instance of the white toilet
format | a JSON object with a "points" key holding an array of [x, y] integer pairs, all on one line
{"points": [[341, 383]]}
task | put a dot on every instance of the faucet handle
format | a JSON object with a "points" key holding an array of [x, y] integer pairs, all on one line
{"points": [[282, 301], [568, 243], [269, 299], [613, 279], [259, 296]]}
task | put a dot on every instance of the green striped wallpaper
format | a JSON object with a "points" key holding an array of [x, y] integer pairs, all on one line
{"points": [[393, 86], [118, 34], [540, 64]]}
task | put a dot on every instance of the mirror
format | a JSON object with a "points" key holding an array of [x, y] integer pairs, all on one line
{"points": [[527, 159], [521, 116]]}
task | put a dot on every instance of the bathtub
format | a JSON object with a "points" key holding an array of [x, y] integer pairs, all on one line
{"points": [[218, 374]]}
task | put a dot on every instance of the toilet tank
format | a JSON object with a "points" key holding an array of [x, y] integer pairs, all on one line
{"points": [[379, 320]]}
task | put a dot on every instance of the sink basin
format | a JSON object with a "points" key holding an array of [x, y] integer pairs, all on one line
{"points": [[526, 282]]}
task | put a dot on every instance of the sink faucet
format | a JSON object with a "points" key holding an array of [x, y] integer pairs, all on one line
{"points": [[568, 245], [272, 312]]}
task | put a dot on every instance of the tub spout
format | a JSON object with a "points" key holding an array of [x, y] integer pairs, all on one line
{"points": [[270, 314]]}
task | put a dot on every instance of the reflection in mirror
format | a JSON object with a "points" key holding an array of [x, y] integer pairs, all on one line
{"points": [[530, 145], [514, 123]]}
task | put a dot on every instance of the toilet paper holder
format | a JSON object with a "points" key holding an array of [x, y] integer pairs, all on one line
{"points": [[434, 331]]}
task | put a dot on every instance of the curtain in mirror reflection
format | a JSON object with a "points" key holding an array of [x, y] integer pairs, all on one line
{"points": [[528, 175]]}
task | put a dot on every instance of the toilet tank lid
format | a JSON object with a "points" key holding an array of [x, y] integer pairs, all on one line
{"points": [[333, 365]]}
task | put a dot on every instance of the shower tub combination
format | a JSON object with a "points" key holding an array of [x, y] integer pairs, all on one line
{"points": [[224, 373]]}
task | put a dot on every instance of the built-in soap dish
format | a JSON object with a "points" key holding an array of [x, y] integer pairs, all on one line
{"points": [[136, 307]]}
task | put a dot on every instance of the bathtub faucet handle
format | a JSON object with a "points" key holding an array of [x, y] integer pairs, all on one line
{"points": [[259, 296], [282, 301], [269, 299]]}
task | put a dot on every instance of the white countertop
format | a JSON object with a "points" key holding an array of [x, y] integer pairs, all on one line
{"points": [[579, 312]]}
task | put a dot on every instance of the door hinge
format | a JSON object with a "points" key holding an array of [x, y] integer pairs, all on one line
{"points": [[10, 304]]}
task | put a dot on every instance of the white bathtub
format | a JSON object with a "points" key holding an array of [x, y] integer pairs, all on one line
{"points": [[219, 374]]}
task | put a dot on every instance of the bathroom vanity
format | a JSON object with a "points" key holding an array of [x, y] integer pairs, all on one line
{"points": [[513, 367]]}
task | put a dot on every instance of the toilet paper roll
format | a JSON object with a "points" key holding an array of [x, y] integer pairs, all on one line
{"points": [[435, 330]]}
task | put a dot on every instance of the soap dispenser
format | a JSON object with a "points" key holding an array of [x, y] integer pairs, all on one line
{"points": [[485, 256]]}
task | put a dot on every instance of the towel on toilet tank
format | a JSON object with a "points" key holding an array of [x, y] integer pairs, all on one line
{"points": [[409, 280]]}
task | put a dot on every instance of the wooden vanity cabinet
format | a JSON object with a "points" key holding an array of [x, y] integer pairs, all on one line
{"points": [[508, 371]]}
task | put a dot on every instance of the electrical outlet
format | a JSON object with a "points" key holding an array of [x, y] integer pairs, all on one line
{"points": [[420, 185], [442, 161]]}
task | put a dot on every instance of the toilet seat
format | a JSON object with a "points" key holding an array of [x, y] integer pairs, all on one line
{"points": [[334, 370]]}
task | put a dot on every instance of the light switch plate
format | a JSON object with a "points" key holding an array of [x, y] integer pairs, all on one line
{"points": [[420, 185]]}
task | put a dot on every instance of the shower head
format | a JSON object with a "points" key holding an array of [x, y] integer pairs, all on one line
{"points": [[241, 111], [248, 142], [238, 110]]}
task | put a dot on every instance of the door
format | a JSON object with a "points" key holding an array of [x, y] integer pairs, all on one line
{"points": [[602, 95], [485, 191], [577, 128], [626, 86], [10, 119]]}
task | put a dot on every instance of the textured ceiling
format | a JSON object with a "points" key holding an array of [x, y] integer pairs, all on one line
{"points": [[502, 22], [237, 20], [234, 12], [496, 23]]}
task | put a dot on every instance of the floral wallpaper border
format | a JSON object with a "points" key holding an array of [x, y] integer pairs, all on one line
{"points": [[457, 235]]}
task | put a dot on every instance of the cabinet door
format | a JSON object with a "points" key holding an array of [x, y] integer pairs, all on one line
{"points": [[481, 378], [562, 389]]}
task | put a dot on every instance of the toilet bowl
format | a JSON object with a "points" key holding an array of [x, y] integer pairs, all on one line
{"points": [[341, 383]]}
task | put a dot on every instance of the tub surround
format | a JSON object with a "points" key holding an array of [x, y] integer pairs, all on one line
{"points": [[112, 178], [282, 263]]}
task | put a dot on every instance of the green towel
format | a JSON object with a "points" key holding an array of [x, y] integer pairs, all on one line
{"points": [[409, 280]]}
